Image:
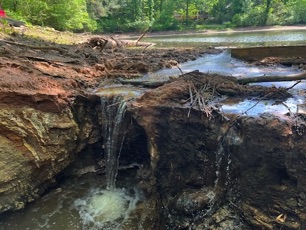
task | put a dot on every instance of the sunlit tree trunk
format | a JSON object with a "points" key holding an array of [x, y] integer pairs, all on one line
{"points": [[187, 11]]}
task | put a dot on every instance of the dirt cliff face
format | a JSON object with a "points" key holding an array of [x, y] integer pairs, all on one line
{"points": [[34, 147], [223, 171], [42, 125]]}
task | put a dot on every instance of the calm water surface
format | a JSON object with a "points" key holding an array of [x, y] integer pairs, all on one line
{"points": [[237, 39]]}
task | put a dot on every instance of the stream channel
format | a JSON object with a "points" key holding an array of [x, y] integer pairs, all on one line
{"points": [[77, 203]]}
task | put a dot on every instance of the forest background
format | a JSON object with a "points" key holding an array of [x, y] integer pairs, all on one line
{"points": [[158, 15]]}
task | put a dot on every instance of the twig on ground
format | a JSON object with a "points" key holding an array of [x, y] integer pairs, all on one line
{"points": [[298, 82]]}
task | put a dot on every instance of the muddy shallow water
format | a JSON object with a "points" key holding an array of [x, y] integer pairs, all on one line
{"points": [[63, 208]]}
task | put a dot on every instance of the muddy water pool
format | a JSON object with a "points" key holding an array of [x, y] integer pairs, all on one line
{"points": [[65, 207]]}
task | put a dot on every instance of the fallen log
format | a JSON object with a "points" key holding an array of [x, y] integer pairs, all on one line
{"points": [[293, 77], [258, 53], [242, 81], [143, 83], [13, 22], [105, 42], [140, 37], [131, 43]]}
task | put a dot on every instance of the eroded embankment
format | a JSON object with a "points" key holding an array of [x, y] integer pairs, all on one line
{"points": [[40, 130], [198, 168], [223, 171]]}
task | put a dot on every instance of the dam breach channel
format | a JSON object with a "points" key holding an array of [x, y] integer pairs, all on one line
{"points": [[187, 159]]}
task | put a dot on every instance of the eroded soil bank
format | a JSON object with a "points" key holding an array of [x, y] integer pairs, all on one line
{"points": [[197, 167], [39, 83], [223, 171]]}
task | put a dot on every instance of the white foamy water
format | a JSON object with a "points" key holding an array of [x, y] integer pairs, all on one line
{"points": [[57, 210], [104, 209]]}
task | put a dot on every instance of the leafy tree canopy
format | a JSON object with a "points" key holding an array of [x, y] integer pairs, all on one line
{"points": [[132, 15]]}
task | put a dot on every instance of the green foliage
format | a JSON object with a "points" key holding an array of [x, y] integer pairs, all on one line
{"points": [[192, 12], [279, 14], [59, 14], [108, 25], [254, 17], [299, 9], [138, 26], [165, 22], [165, 19], [5, 27], [138, 15]]}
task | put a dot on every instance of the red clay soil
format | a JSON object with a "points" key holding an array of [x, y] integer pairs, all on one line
{"points": [[48, 76]]}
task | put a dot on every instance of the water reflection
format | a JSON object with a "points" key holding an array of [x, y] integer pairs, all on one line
{"points": [[238, 39], [254, 107]]}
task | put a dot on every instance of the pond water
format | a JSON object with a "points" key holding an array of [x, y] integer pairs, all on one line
{"points": [[236, 39]]}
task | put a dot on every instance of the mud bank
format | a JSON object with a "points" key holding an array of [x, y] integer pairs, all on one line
{"points": [[39, 83], [197, 167], [223, 171]]}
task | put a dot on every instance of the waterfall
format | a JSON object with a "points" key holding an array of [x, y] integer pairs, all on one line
{"points": [[110, 207], [113, 110], [223, 162]]}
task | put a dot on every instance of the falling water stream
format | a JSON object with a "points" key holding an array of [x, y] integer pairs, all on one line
{"points": [[102, 207], [89, 203], [223, 162], [110, 208], [113, 110]]}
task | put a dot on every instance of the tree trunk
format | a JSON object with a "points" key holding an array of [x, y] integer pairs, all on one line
{"points": [[187, 11], [294, 77], [266, 16]]}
